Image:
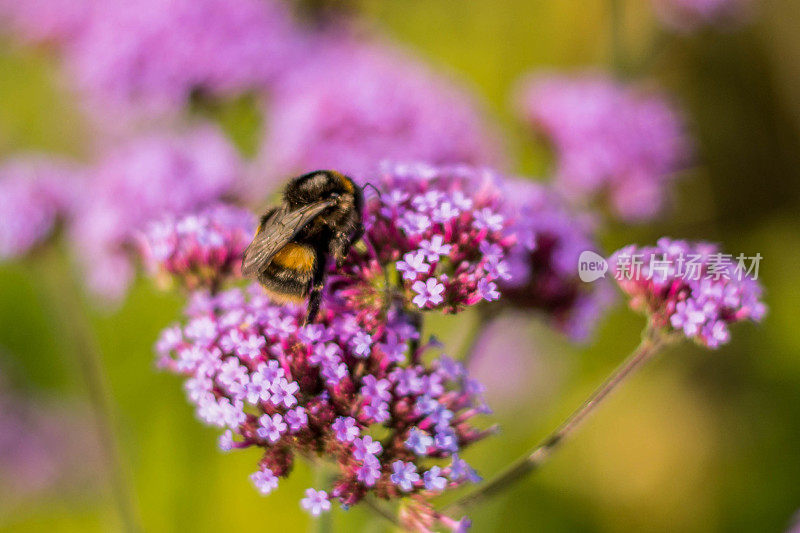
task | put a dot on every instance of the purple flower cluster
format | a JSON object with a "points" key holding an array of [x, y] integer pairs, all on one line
{"points": [[371, 102], [141, 181], [689, 288], [35, 192], [201, 249], [609, 139], [154, 55], [690, 15], [442, 230], [544, 261], [360, 395]]}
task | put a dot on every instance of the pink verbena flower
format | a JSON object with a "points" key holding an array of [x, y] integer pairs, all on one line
{"points": [[543, 263], [316, 502], [691, 15], [35, 192], [154, 54], [690, 288], [140, 181], [442, 230], [254, 371], [370, 102], [198, 250], [609, 139]]}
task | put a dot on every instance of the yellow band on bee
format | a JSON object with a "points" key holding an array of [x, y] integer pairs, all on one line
{"points": [[281, 298], [295, 257], [345, 181]]}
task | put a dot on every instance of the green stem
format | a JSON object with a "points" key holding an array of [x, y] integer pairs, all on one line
{"points": [[658, 50], [652, 342], [381, 511], [617, 17], [324, 522], [65, 296], [467, 349]]}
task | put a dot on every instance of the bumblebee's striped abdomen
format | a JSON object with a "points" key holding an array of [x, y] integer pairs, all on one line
{"points": [[288, 276], [295, 256]]}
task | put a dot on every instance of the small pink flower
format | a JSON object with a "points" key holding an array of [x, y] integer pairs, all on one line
{"points": [[428, 292], [200, 250]]}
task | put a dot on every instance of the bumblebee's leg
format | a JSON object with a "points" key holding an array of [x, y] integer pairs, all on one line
{"points": [[317, 283], [357, 234], [314, 299], [340, 247], [342, 242]]}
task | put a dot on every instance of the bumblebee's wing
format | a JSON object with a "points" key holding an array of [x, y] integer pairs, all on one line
{"points": [[280, 227]]}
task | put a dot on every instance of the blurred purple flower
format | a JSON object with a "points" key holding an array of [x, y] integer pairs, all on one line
{"points": [[297, 419], [272, 428], [418, 441], [433, 480], [609, 139], [364, 446], [543, 264], [46, 21], [370, 472], [346, 429], [429, 293], [689, 288], [228, 390], [155, 55], [35, 192], [140, 181], [44, 447], [264, 481], [521, 365], [404, 475], [690, 15], [370, 102], [316, 502], [198, 250]]}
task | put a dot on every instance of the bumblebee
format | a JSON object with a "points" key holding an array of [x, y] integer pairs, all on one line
{"points": [[320, 216]]}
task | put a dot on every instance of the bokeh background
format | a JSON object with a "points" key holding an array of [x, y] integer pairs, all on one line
{"points": [[698, 441]]}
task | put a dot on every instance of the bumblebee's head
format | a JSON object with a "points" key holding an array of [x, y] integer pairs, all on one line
{"points": [[323, 185]]}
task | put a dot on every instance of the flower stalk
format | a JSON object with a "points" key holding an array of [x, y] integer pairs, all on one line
{"points": [[381, 511], [469, 344], [322, 478], [652, 342], [65, 296], [619, 61]]}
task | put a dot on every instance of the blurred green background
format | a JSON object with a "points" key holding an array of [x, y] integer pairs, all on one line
{"points": [[698, 441]]}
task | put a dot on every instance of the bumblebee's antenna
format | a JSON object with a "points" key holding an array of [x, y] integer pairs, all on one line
{"points": [[374, 188]]}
